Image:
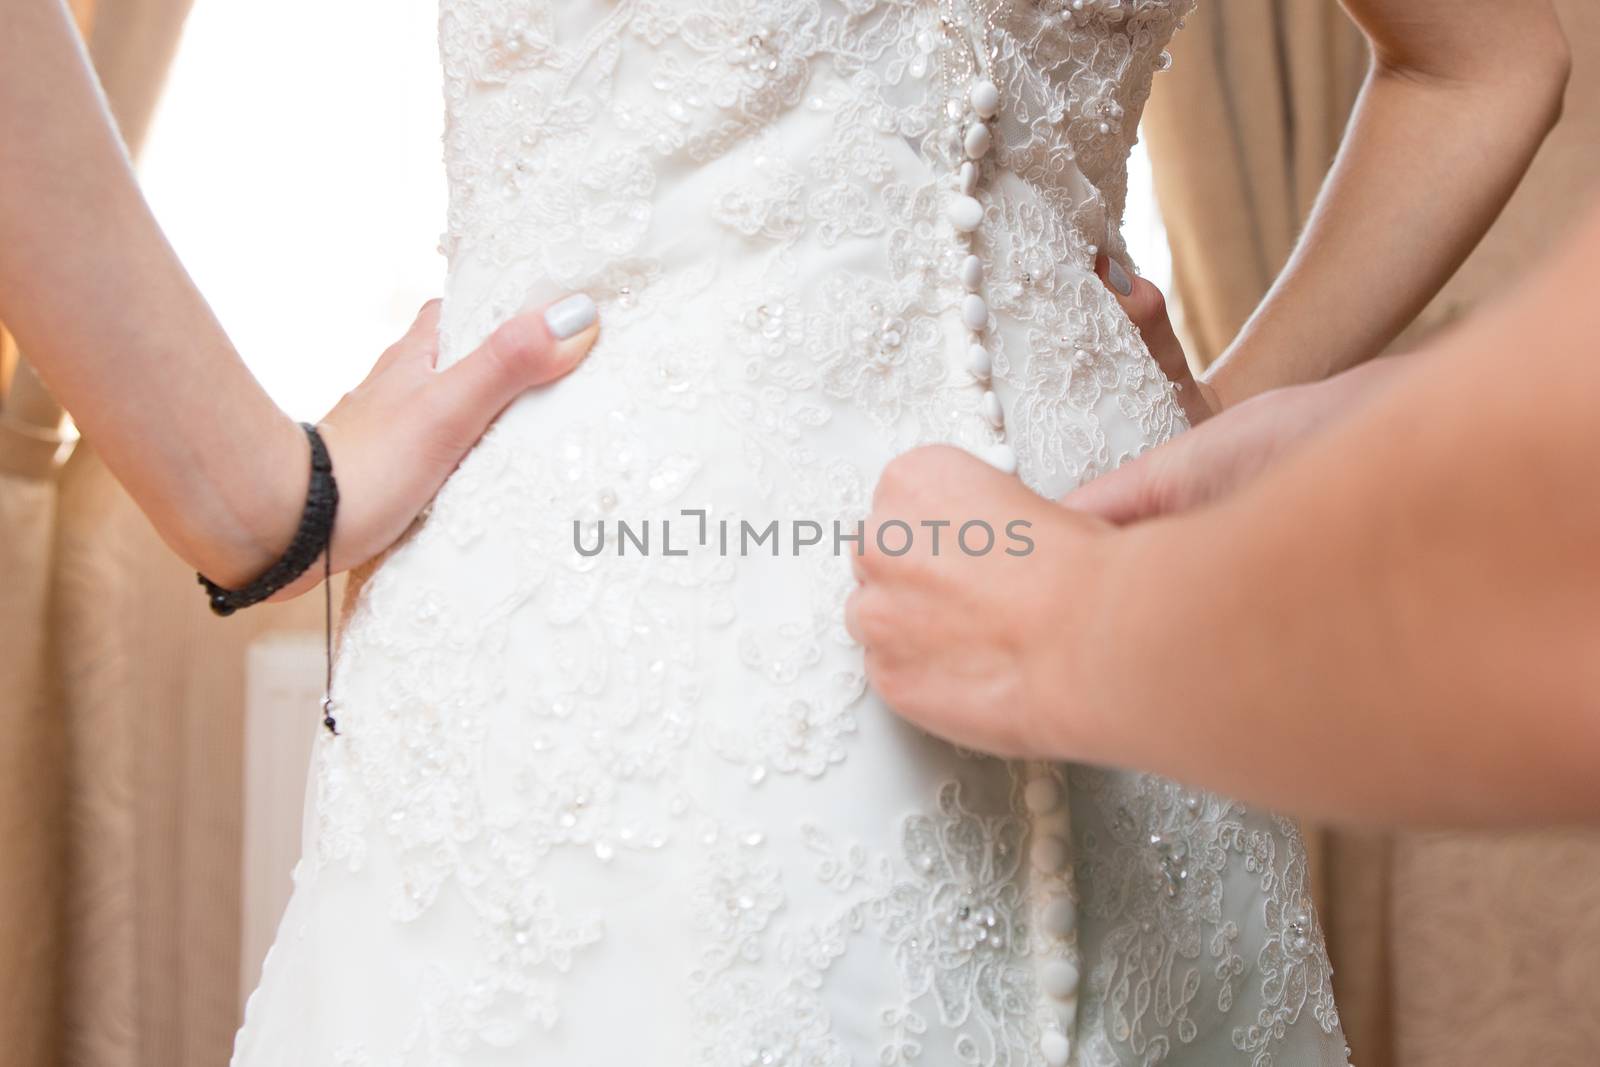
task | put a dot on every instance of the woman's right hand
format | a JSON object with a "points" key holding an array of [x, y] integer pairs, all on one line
{"points": [[397, 436], [1212, 460], [1222, 451], [1146, 307]]}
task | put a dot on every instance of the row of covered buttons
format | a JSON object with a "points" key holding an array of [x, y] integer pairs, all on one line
{"points": [[1056, 914], [966, 215]]}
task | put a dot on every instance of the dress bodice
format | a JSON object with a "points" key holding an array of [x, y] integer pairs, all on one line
{"points": [[642, 807], [571, 125]]}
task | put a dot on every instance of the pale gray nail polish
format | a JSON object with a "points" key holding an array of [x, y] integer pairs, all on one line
{"points": [[1118, 277], [570, 315]]}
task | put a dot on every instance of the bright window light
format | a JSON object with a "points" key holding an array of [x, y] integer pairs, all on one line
{"points": [[295, 164], [1141, 224]]}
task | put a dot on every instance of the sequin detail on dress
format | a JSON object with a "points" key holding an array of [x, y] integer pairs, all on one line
{"points": [[626, 808]]}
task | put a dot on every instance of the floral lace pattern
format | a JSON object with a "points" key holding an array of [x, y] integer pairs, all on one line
{"points": [[1161, 863], [572, 782]]}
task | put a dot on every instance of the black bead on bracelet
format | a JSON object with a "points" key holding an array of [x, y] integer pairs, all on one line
{"points": [[312, 537], [311, 540]]}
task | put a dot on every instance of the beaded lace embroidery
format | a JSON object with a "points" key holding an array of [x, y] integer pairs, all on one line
{"points": [[518, 719]]}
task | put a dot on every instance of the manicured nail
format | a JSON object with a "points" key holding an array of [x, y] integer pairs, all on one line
{"points": [[570, 315], [1118, 277]]}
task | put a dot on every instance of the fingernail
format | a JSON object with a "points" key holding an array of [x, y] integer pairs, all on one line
{"points": [[570, 315], [1118, 277]]}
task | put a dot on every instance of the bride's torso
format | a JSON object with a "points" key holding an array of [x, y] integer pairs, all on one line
{"points": [[757, 191], [641, 807]]}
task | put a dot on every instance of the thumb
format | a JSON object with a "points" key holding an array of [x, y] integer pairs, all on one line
{"points": [[1131, 492], [535, 348]]}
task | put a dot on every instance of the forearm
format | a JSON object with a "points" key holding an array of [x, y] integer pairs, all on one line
{"points": [[106, 313], [1451, 115], [1398, 624]]}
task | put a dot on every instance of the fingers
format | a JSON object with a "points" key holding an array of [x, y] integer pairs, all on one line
{"points": [[864, 618], [419, 342], [1146, 307], [535, 348], [426, 326], [852, 617], [1127, 494], [858, 566], [1143, 302]]}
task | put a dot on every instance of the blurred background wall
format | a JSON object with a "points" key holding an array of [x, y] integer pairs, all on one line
{"points": [[150, 780], [1448, 948]]}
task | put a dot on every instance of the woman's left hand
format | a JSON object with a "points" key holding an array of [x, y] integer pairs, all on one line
{"points": [[1146, 306], [397, 436], [977, 646]]}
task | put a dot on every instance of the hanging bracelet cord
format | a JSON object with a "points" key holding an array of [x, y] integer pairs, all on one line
{"points": [[312, 539], [327, 644]]}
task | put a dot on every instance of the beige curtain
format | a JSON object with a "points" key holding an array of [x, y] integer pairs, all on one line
{"points": [[121, 705], [31, 754], [1448, 948]]}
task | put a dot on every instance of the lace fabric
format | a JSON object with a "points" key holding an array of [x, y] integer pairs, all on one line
{"points": [[640, 807]]}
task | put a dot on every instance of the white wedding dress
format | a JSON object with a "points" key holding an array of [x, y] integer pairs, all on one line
{"points": [[609, 811]]}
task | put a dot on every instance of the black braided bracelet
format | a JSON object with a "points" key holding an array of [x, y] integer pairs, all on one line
{"points": [[316, 530]]}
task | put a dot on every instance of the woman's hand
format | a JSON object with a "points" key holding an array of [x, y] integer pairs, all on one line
{"points": [[152, 379], [971, 640], [1146, 306], [1211, 461], [398, 435]]}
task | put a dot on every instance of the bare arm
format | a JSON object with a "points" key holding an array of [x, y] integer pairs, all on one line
{"points": [[1397, 620], [1401, 620], [103, 309], [1459, 97], [106, 313]]}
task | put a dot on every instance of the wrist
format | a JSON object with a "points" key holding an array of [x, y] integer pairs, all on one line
{"points": [[1088, 641], [311, 541], [260, 511], [1139, 618], [1227, 381], [1210, 393]]}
